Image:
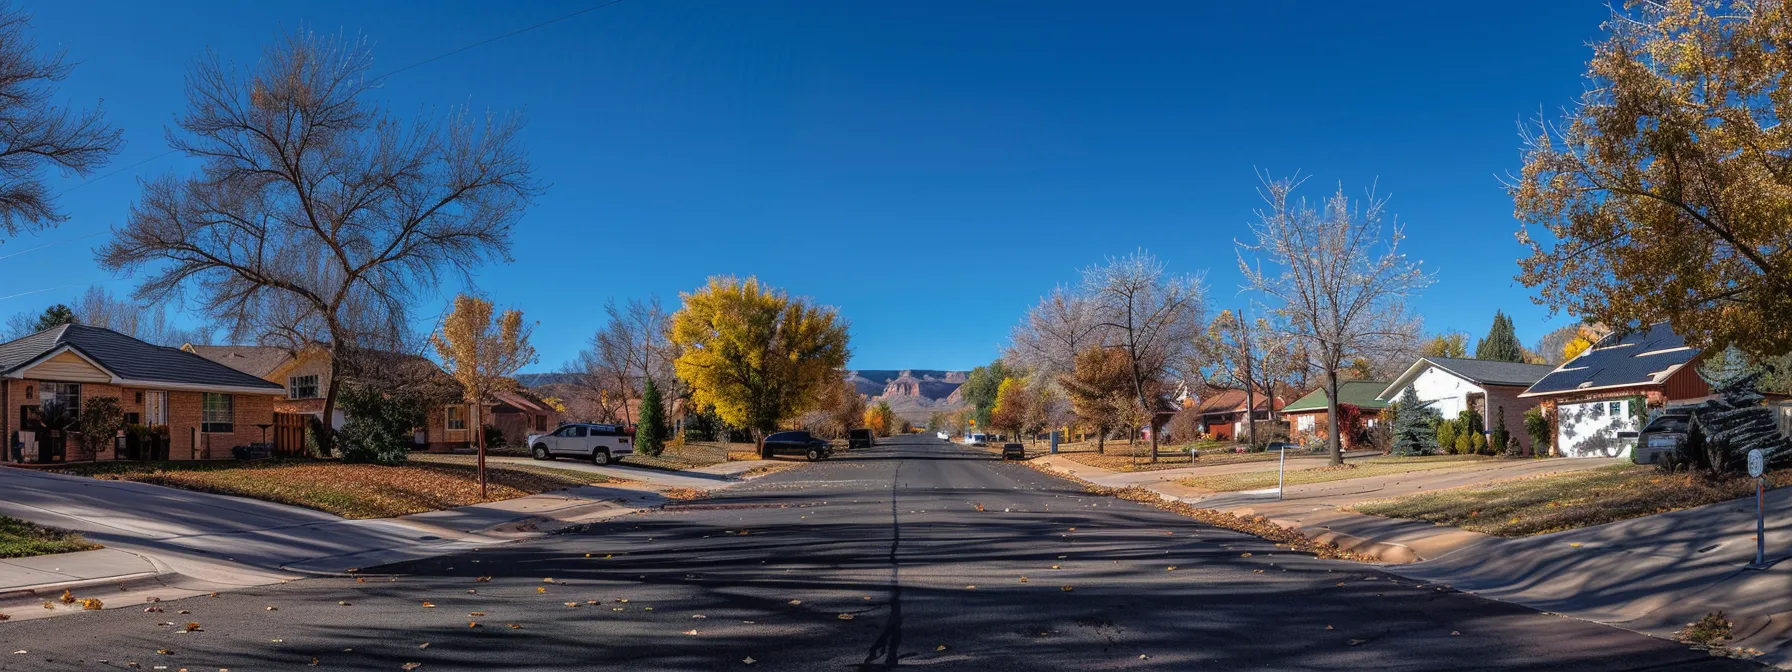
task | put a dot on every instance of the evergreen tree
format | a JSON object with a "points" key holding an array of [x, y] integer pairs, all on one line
{"points": [[56, 316], [1726, 428], [1415, 425], [1501, 343], [650, 432]]}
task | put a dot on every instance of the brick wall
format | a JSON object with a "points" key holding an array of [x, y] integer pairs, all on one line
{"points": [[1502, 396]]}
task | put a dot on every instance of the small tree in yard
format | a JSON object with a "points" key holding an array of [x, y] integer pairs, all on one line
{"points": [[482, 354], [1501, 443], [1150, 316], [650, 433], [880, 419], [1415, 426], [381, 423], [99, 423], [1723, 430], [1012, 402], [1185, 425]]}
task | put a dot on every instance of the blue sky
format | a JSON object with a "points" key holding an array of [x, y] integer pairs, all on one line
{"points": [[931, 168]]}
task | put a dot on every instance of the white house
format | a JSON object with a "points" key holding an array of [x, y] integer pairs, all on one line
{"points": [[1453, 385], [1601, 397]]}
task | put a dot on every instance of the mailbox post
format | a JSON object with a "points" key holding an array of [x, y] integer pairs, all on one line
{"points": [[1757, 469]]}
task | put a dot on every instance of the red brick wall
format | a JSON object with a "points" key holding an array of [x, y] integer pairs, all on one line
{"points": [[184, 415], [1501, 396]]}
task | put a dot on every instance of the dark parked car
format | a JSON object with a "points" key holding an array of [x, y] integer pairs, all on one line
{"points": [[1014, 451], [1662, 438], [860, 438], [795, 443]]}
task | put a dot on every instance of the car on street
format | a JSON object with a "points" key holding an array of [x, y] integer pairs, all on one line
{"points": [[795, 443], [860, 438], [976, 439], [591, 441], [1014, 451]]}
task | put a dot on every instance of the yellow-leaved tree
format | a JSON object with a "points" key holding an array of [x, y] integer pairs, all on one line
{"points": [[754, 352], [481, 354]]}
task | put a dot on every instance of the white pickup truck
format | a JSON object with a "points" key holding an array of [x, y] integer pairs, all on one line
{"points": [[598, 443]]}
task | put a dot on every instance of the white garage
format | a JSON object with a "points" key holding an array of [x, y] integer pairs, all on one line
{"points": [[1591, 428]]}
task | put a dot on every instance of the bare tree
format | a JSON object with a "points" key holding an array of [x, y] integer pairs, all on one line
{"points": [[1048, 339], [312, 199], [36, 134], [1153, 318], [1339, 283], [1246, 354], [99, 308]]}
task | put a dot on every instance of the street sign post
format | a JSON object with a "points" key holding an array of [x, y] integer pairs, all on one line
{"points": [[1281, 473], [1757, 469]]}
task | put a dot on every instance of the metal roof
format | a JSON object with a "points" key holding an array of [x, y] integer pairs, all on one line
{"points": [[1646, 357], [128, 359]]}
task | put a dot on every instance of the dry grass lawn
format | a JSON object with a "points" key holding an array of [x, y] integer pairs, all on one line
{"points": [[1556, 502], [20, 539], [429, 483], [693, 455], [1363, 468]]}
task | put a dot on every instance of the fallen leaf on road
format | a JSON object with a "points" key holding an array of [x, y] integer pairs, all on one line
{"points": [[1065, 588], [1244, 555], [572, 604], [277, 641], [475, 613], [979, 507], [548, 580], [1328, 627], [692, 632], [410, 666], [698, 616], [1455, 633], [429, 605], [360, 579], [424, 645], [1355, 642], [1171, 568], [1023, 579], [622, 600], [271, 608], [20, 652], [1256, 571], [92, 604], [941, 647], [165, 652], [483, 579], [971, 587], [795, 602], [471, 591], [192, 627], [748, 660], [313, 661], [1144, 657], [516, 626], [845, 617], [342, 603], [1056, 567], [472, 624], [67, 597]]}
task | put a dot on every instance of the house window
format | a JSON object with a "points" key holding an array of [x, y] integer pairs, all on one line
{"points": [[1615, 408], [65, 395], [217, 414], [456, 418], [541, 423], [301, 387]]}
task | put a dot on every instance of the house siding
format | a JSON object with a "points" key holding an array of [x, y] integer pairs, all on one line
{"points": [[1506, 396], [183, 418]]}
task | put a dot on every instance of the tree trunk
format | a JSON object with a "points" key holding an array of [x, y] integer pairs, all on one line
{"points": [[479, 438], [1250, 413], [326, 434], [1101, 440], [1331, 409]]}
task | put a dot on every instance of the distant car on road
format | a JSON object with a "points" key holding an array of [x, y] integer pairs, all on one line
{"points": [[1014, 451], [976, 439], [598, 443], [943, 436], [860, 438], [795, 443]]}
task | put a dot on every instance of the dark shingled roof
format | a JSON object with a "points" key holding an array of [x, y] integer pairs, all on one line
{"points": [[129, 358], [1485, 372], [255, 360], [1642, 358]]}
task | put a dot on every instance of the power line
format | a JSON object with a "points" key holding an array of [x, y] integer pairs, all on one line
{"points": [[52, 244]]}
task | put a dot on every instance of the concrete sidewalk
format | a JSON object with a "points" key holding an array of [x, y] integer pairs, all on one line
{"points": [[1652, 575], [164, 543]]}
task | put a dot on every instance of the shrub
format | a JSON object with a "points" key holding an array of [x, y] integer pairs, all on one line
{"points": [[1536, 424], [1463, 445], [99, 423], [650, 432], [1501, 438], [1477, 444], [1446, 434], [380, 425], [494, 437]]}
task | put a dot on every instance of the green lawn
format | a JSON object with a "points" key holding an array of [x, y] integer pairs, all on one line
{"points": [[19, 539], [1556, 502], [1361, 468], [426, 483]]}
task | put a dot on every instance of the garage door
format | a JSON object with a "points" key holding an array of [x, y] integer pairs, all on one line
{"points": [[1590, 429]]}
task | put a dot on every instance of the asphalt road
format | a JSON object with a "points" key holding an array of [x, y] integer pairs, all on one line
{"points": [[915, 553]]}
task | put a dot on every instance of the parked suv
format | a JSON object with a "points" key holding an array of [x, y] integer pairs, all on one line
{"points": [[598, 443], [1664, 436], [795, 443]]}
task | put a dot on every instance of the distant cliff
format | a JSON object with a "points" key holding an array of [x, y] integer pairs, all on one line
{"points": [[912, 393]]}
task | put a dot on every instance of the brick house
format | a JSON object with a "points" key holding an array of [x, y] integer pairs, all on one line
{"points": [[1310, 416], [305, 377], [1223, 413], [204, 409], [1602, 396], [1488, 388]]}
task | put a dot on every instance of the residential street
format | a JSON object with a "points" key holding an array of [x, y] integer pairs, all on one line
{"points": [[877, 558]]}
